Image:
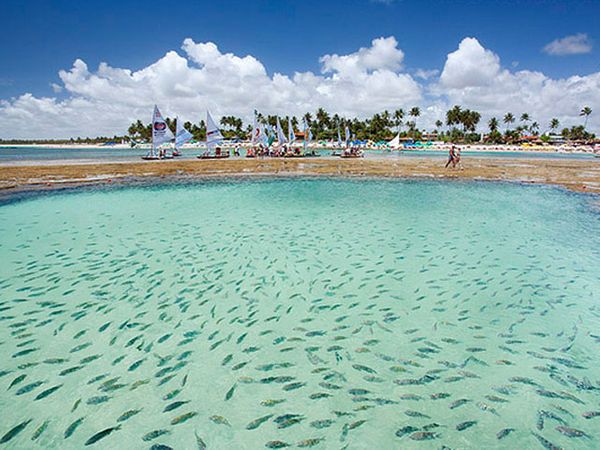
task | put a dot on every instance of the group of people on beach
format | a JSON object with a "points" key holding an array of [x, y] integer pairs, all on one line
{"points": [[454, 157], [277, 152]]}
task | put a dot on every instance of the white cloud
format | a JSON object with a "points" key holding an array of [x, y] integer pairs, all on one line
{"points": [[426, 74], [106, 100], [569, 45], [474, 78], [470, 65]]}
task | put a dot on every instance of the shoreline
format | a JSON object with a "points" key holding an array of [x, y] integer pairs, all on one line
{"points": [[577, 176], [436, 146]]}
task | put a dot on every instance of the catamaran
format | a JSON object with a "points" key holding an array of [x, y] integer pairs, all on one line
{"points": [[181, 137], [160, 134], [213, 138]]}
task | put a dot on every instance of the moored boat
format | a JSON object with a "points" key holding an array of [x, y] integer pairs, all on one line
{"points": [[161, 134]]}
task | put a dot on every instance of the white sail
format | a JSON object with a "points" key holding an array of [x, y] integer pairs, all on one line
{"points": [[347, 136], [161, 132], [280, 135], [181, 135], [213, 135], [291, 135], [264, 135], [395, 143], [256, 131], [339, 138]]}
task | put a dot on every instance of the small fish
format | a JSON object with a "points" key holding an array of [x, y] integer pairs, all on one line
{"points": [[98, 399], [258, 422], [401, 432], [71, 428], [184, 417], [174, 405], [38, 432], [220, 420], [276, 444], [591, 414], [75, 405], [318, 424], [160, 447], [154, 434], [271, 402], [17, 380], [101, 435], [128, 414], [230, 392], [464, 425], [311, 442], [423, 436], [571, 432], [28, 388], [504, 432], [319, 395], [47, 392], [362, 368], [14, 431], [199, 442]]}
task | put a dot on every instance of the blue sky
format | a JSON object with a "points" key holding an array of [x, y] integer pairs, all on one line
{"points": [[42, 37], [357, 57]]}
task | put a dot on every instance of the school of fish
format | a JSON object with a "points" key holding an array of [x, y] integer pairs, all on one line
{"points": [[178, 328]]}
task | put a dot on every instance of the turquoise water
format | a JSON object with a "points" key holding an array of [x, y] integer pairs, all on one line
{"points": [[303, 313], [16, 154]]}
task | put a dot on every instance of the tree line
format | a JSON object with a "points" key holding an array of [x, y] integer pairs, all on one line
{"points": [[460, 126]]}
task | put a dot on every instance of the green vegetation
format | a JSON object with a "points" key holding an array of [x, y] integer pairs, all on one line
{"points": [[461, 125]]}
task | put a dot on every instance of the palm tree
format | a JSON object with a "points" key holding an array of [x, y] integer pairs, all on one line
{"points": [[323, 120], [415, 112], [453, 116], [586, 111], [554, 124], [524, 118], [534, 128], [398, 116], [493, 124], [508, 119], [438, 124]]}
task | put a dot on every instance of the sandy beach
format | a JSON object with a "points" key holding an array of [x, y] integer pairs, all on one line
{"points": [[580, 176]]}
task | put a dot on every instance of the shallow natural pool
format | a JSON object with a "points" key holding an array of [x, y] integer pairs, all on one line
{"points": [[303, 313]]}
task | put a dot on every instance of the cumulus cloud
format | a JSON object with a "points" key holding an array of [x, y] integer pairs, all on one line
{"points": [[106, 100], [570, 45], [474, 78]]}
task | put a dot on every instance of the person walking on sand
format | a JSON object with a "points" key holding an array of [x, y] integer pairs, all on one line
{"points": [[451, 157], [456, 161]]}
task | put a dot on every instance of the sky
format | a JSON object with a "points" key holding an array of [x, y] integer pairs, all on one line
{"points": [[88, 68]]}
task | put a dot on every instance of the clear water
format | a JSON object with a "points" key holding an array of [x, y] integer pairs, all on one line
{"points": [[21, 154], [356, 308]]}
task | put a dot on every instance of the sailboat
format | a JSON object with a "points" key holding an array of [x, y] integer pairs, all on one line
{"points": [[213, 138], [352, 152], [160, 134], [281, 139], [291, 134], [181, 137], [307, 139], [395, 143]]}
